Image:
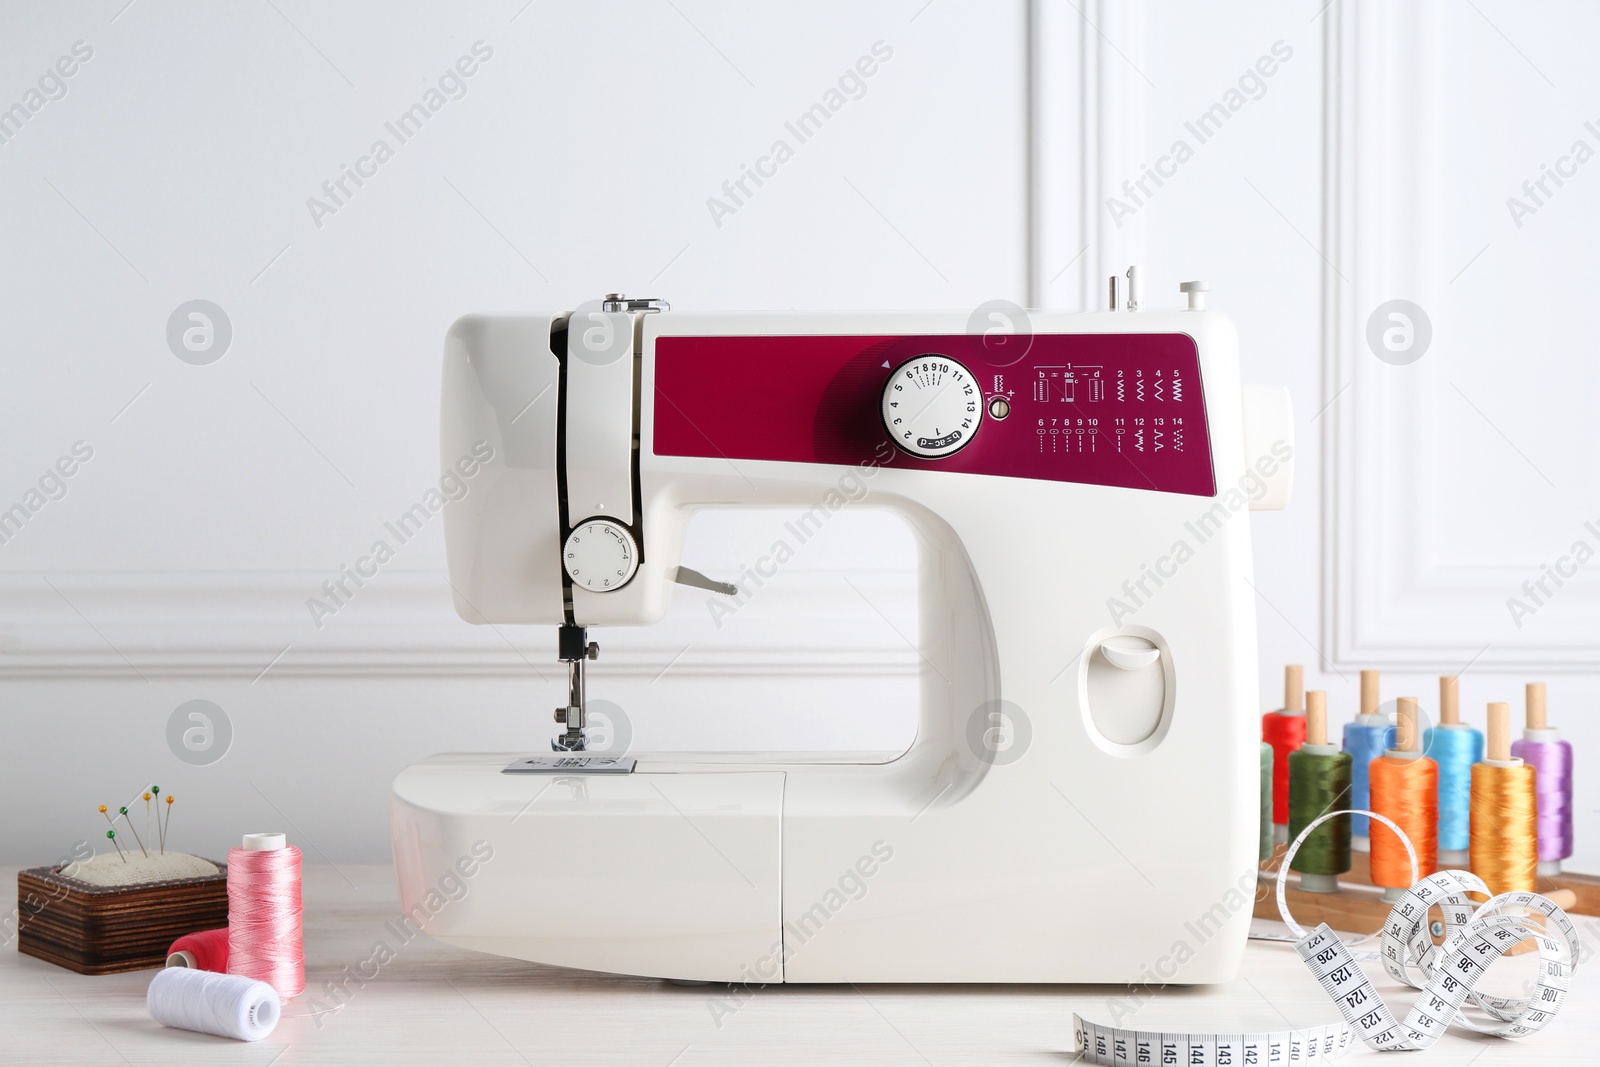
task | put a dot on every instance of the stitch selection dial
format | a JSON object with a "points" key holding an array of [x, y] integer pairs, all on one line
{"points": [[931, 406], [600, 555]]}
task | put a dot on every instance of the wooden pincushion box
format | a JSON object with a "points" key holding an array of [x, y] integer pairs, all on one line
{"points": [[95, 929]]}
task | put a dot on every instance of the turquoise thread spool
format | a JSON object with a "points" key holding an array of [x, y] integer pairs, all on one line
{"points": [[1455, 747]]}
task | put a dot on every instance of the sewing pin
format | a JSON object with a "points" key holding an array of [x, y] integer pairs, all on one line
{"points": [[112, 833], [147, 813], [124, 813], [156, 789], [168, 822]]}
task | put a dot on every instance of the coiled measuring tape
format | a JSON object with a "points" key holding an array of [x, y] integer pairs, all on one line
{"points": [[1475, 936]]}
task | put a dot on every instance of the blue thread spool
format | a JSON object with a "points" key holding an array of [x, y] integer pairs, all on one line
{"points": [[1370, 736], [1455, 747]]}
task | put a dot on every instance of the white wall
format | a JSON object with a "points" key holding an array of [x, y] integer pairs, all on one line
{"points": [[976, 165], [580, 160], [1376, 167]]}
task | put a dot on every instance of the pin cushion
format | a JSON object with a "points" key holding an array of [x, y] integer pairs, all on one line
{"points": [[112, 913]]}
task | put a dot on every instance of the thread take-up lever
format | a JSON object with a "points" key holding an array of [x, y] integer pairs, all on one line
{"points": [[574, 648]]}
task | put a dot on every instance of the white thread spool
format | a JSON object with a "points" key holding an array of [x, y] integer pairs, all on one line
{"points": [[226, 1005]]}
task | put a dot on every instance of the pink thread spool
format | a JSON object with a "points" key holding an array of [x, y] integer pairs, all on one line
{"points": [[264, 913], [205, 950]]}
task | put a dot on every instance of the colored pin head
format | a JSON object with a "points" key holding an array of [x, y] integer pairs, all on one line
{"points": [[102, 809], [147, 796], [156, 789], [111, 834], [163, 824], [124, 813]]}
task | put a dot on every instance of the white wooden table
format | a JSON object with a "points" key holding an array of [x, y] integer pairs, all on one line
{"points": [[437, 1005]]}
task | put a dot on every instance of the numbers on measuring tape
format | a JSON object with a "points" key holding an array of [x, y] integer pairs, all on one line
{"points": [[1475, 937]]}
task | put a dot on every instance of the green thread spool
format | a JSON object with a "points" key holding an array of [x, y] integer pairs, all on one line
{"points": [[1266, 801], [1319, 782]]}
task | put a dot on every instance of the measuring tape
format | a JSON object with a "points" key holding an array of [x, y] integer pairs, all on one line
{"points": [[1475, 936]]}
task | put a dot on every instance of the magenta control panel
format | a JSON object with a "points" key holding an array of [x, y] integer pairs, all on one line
{"points": [[1102, 409]]}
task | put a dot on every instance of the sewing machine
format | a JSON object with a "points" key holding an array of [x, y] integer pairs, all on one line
{"points": [[1080, 803]]}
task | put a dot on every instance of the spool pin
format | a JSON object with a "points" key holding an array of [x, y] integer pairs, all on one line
{"points": [[1317, 719], [1294, 687], [1407, 738], [1450, 701], [1498, 749]]}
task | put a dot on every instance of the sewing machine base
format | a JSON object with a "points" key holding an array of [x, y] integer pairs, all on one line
{"points": [[728, 869]]}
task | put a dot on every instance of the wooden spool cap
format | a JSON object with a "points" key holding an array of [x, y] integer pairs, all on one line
{"points": [[1538, 717], [1407, 738], [1294, 687], [1316, 717], [1369, 692], [1499, 745], [1450, 701]]}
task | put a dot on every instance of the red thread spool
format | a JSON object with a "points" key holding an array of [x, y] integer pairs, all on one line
{"points": [[264, 913], [206, 950], [1285, 731]]}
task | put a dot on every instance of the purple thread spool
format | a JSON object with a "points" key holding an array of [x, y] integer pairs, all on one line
{"points": [[1551, 758]]}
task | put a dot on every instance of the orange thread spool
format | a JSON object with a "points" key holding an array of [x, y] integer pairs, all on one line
{"points": [[1285, 731], [1404, 787], [1504, 839]]}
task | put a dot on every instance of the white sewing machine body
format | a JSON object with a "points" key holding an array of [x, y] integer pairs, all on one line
{"points": [[1083, 594]]}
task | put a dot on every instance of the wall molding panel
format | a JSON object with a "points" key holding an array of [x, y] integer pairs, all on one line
{"points": [[1387, 601], [185, 624]]}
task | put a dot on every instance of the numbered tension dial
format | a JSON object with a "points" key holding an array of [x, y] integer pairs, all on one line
{"points": [[932, 406], [600, 555]]}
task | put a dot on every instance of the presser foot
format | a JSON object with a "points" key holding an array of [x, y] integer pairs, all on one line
{"points": [[571, 741]]}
